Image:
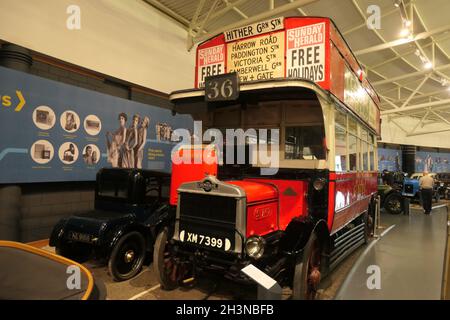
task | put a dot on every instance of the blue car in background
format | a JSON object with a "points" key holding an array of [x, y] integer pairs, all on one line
{"points": [[411, 187]]}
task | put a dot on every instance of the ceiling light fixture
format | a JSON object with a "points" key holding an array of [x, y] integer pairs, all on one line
{"points": [[428, 65], [405, 32]]}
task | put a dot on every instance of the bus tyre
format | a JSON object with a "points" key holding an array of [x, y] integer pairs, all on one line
{"points": [[393, 203], [79, 252], [307, 271], [127, 257], [167, 270]]}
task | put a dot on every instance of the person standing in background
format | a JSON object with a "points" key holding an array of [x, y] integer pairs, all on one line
{"points": [[426, 184]]}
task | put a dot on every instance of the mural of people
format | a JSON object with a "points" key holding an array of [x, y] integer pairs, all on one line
{"points": [[69, 154], [131, 141], [389, 159], [428, 163], [397, 162], [94, 157], [87, 156], [115, 142], [91, 154], [141, 140], [163, 132], [71, 124]]}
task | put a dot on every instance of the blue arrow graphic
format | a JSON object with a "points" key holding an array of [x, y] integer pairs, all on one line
{"points": [[11, 150]]}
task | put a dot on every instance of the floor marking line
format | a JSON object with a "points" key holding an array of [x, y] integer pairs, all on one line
{"points": [[359, 261], [144, 292], [439, 206], [386, 231]]}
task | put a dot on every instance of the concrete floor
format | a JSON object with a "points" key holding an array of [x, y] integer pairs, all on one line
{"points": [[145, 286], [410, 256]]}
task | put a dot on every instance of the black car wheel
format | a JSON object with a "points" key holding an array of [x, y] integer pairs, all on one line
{"points": [[307, 272], [127, 256], [437, 197], [393, 203], [79, 252], [168, 270]]}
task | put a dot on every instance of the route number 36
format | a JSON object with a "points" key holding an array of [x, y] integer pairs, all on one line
{"points": [[222, 87]]}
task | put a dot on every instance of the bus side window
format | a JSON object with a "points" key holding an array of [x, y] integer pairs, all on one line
{"points": [[352, 152], [304, 143], [365, 160], [372, 141], [341, 149], [341, 156]]}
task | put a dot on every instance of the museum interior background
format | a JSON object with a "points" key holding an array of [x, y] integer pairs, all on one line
{"points": [[33, 68]]}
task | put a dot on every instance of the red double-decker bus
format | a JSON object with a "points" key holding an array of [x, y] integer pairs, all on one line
{"points": [[296, 75]]}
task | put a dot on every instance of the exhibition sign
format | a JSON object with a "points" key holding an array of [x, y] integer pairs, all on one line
{"points": [[57, 132]]}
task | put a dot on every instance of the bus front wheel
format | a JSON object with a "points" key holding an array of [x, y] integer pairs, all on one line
{"points": [[307, 274], [168, 270]]}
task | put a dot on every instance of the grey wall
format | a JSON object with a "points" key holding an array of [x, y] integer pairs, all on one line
{"points": [[110, 87]]}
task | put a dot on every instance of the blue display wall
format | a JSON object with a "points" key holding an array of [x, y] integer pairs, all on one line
{"points": [[432, 161], [389, 159], [56, 132]]}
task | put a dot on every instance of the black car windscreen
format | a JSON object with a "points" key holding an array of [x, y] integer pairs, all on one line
{"points": [[114, 185]]}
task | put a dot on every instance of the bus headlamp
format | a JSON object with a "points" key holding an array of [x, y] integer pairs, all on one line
{"points": [[319, 184], [254, 246]]}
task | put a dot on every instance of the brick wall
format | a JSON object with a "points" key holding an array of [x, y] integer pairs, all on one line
{"points": [[43, 205]]}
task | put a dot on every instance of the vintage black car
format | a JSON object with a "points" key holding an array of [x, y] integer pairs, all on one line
{"points": [[444, 179], [131, 206], [390, 185], [391, 199]]}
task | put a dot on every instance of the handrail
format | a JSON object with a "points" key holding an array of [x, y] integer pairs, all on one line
{"points": [[445, 289]]}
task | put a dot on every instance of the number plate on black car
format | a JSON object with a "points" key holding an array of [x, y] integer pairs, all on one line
{"points": [[81, 237], [204, 240]]}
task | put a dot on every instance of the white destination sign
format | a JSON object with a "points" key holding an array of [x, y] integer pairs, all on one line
{"points": [[255, 29], [259, 58]]}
